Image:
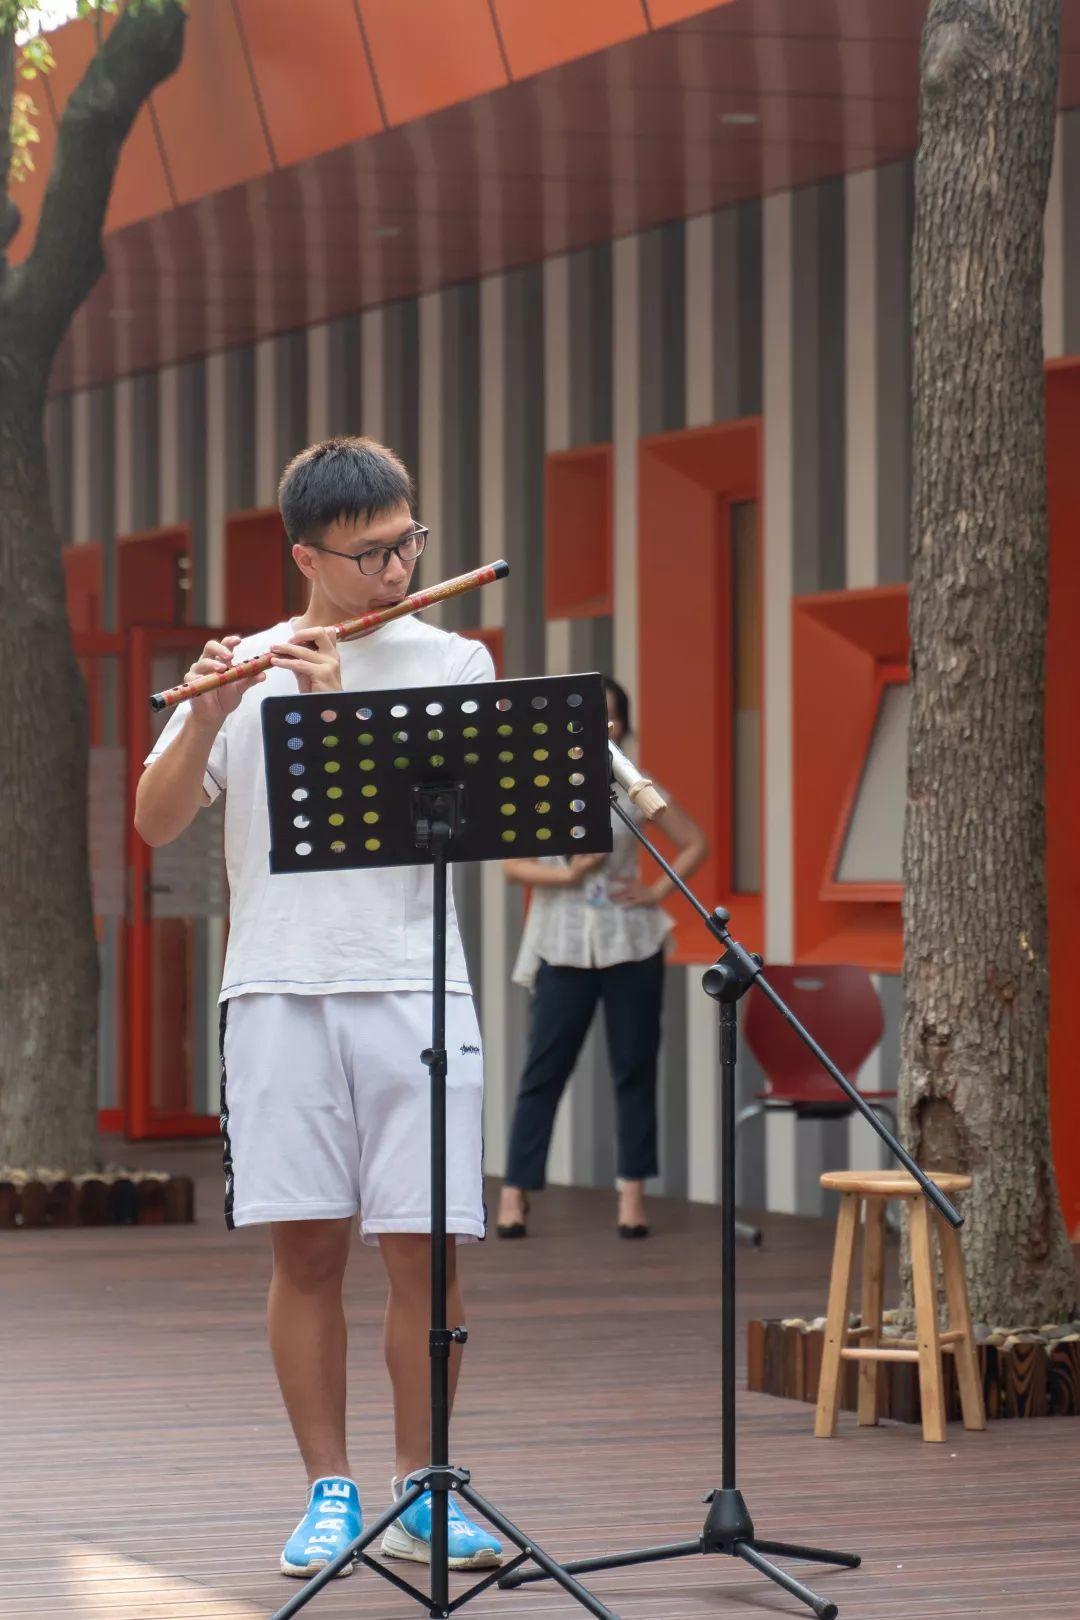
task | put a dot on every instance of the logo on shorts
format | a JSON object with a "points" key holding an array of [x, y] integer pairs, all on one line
{"points": [[466, 1049]]}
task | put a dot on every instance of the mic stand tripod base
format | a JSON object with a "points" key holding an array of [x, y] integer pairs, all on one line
{"points": [[728, 1527]]}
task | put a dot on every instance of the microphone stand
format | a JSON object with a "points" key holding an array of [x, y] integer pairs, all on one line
{"points": [[728, 1527]]}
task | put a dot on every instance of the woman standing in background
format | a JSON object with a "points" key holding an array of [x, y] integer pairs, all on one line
{"points": [[594, 932]]}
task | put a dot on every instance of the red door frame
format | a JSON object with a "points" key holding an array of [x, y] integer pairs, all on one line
{"points": [[688, 482]]}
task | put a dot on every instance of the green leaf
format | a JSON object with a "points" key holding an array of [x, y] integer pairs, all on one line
{"points": [[36, 57], [37, 54], [24, 135]]}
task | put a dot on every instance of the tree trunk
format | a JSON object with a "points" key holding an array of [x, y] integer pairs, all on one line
{"points": [[974, 1093], [48, 954]]}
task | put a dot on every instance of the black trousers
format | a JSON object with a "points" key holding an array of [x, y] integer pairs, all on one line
{"points": [[563, 1004]]}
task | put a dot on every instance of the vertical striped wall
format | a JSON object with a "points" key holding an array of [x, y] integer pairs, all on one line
{"points": [[796, 308]]}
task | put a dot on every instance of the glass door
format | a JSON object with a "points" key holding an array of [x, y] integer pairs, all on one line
{"points": [[176, 925], [101, 659]]}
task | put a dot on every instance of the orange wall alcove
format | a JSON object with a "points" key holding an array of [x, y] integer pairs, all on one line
{"points": [[578, 532]]}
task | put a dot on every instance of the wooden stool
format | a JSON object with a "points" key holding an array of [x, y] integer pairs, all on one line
{"points": [[875, 1188]]}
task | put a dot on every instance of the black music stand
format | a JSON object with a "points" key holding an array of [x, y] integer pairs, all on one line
{"points": [[428, 775], [728, 1527]]}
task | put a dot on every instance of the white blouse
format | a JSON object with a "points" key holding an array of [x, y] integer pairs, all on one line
{"points": [[582, 926]]}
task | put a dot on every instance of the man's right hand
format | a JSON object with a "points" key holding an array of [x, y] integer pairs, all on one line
{"points": [[210, 708]]}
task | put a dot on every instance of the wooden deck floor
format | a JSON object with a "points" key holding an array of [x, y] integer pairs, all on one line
{"points": [[148, 1472]]}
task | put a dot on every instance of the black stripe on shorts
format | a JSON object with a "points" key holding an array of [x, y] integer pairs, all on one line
{"points": [[226, 1149]]}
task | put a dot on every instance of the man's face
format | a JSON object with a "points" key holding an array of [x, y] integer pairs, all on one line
{"points": [[331, 567]]}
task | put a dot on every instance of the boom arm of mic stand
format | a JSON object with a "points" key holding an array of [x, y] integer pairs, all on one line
{"points": [[716, 923]]}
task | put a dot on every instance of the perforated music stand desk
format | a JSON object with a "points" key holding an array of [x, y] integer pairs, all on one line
{"points": [[423, 775]]}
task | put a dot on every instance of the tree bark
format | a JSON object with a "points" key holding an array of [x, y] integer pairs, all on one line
{"points": [[48, 952], [974, 1082]]}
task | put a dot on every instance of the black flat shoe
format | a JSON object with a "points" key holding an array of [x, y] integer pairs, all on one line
{"points": [[515, 1229], [632, 1231]]}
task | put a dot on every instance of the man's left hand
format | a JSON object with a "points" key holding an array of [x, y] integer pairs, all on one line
{"points": [[312, 655]]}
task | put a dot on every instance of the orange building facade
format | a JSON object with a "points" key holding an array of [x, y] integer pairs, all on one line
{"points": [[627, 286]]}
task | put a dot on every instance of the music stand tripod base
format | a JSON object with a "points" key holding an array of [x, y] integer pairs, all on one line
{"points": [[415, 776]]}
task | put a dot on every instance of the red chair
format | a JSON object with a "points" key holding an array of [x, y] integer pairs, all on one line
{"points": [[840, 1008]]}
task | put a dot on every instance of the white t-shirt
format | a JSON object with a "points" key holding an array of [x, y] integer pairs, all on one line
{"points": [[315, 933]]}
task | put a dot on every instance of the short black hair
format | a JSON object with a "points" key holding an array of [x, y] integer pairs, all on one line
{"points": [[340, 480], [621, 700]]}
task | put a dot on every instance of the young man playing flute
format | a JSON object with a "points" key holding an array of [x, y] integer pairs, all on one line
{"points": [[326, 1004]]}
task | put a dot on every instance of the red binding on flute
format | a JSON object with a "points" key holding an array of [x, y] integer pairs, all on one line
{"points": [[351, 630]]}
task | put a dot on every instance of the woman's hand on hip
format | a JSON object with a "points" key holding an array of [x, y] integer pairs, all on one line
{"points": [[635, 893]]}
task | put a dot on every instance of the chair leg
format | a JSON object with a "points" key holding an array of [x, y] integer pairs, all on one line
{"points": [[931, 1383], [967, 1360], [873, 1289], [743, 1230], [836, 1320]]}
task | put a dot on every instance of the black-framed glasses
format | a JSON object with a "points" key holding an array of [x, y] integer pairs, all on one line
{"points": [[376, 558]]}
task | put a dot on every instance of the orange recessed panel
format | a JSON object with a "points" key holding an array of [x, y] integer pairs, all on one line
{"points": [[723, 458], [874, 620], [257, 561], [578, 539], [662, 12], [312, 75], [428, 56], [207, 113], [541, 36], [149, 589]]}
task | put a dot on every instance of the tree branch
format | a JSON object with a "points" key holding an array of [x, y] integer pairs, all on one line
{"points": [[962, 40], [144, 47]]}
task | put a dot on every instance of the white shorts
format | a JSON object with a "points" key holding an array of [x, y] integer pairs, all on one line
{"points": [[325, 1111]]}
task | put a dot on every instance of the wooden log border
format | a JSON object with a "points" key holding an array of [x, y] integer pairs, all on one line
{"points": [[1020, 1380], [113, 1200]]}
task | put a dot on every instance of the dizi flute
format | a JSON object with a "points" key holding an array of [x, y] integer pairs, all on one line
{"points": [[350, 630]]}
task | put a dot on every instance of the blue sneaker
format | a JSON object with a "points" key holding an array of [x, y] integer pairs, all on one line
{"points": [[332, 1520], [469, 1546]]}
